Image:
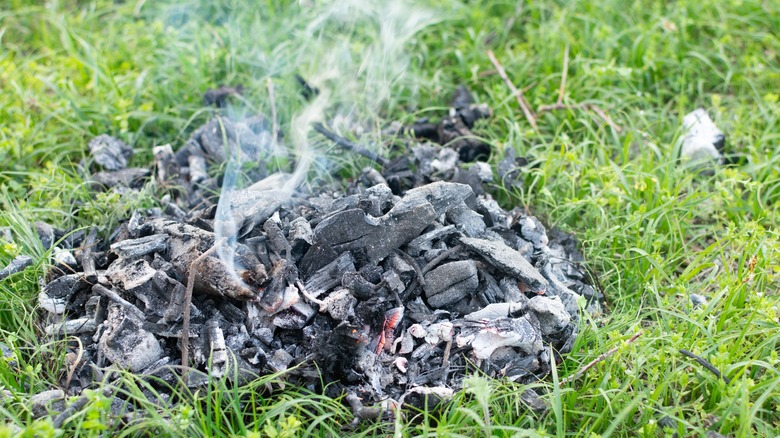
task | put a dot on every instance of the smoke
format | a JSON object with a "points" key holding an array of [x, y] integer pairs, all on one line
{"points": [[351, 51]]}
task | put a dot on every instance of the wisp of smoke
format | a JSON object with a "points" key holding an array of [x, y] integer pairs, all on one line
{"points": [[353, 53]]}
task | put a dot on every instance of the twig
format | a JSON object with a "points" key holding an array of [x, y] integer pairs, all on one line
{"points": [[706, 364], [185, 323], [563, 75], [113, 296], [275, 127], [348, 145], [582, 106], [593, 363], [524, 105]]}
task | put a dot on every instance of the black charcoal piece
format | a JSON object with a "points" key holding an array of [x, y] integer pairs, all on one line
{"points": [[506, 259], [468, 221], [294, 318], [441, 195], [461, 97], [551, 314], [18, 264], [109, 152], [522, 366], [376, 238], [276, 242], [56, 294], [532, 230], [219, 96], [330, 276], [125, 343], [449, 283], [454, 133], [300, 236], [134, 248], [198, 169], [46, 402], [166, 168], [494, 215], [535, 403], [401, 266], [132, 177], [424, 242], [357, 285], [280, 360], [45, 233], [372, 177], [472, 113], [130, 276]]}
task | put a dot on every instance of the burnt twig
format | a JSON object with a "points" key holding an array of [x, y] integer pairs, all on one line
{"points": [[348, 145], [593, 363], [113, 296], [524, 105], [706, 364]]}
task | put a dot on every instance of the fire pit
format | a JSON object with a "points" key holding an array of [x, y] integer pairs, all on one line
{"points": [[394, 286]]}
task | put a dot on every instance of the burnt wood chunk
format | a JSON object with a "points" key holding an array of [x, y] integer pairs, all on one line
{"points": [[451, 282], [18, 264], [507, 259], [109, 152], [330, 276], [134, 248]]}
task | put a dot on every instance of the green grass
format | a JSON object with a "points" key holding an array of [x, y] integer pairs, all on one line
{"points": [[653, 230]]}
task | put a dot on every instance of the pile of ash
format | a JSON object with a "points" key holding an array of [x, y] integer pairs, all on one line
{"points": [[394, 286]]}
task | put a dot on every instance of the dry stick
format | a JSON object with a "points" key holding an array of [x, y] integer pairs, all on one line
{"points": [[524, 105], [706, 364], [348, 145], [113, 296], [185, 323], [275, 127], [593, 363], [563, 75]]}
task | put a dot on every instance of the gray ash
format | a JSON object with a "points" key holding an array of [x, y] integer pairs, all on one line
{"points": [[394, 287]]}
